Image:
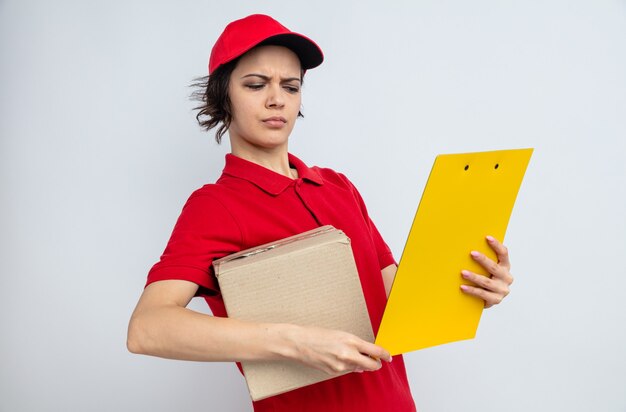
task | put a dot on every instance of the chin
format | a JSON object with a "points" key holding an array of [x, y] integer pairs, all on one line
{"points": [[262, 139], [271, 141], [272, 145]]}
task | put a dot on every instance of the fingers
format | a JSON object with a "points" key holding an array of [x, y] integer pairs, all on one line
{"points": [[350, 359], [490, 298], [491, 290], [494, 288], [337, 352], [374, 351], [365, 363], [489, 284], [495, 270], [501, 252], [362, 356], [349, 362]]}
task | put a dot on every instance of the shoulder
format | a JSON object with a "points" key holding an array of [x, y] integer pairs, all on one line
{"points": [[205, 211], [208, 192], [340, 180], [209, 201], [331, 176], [224, 191]]}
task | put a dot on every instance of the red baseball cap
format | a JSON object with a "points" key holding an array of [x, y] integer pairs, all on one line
{"points": [[242, 35]]}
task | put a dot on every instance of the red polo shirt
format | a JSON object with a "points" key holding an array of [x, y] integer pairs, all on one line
{"points": [[250, 205]]}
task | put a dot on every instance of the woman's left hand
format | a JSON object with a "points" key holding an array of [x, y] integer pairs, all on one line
{"points": [[494, 288]]}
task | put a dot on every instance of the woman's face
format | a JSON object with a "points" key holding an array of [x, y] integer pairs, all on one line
{"points": [[264, 92]]}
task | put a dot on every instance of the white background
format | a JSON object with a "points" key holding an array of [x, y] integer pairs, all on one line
{"points": [[99, 150]]}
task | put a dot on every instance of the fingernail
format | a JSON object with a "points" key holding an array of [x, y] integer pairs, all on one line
{"points": [[474, 253], [465, 287], [465, 274], [490, 238]]}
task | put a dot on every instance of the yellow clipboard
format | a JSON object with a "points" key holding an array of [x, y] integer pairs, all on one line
{"points": [[468, 196]]}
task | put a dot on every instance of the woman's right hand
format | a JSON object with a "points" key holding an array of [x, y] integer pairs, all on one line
{"points": [[334, 352]]}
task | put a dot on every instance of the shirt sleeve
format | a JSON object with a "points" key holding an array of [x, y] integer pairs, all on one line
{"points": [[385, 257], [204, 231]]}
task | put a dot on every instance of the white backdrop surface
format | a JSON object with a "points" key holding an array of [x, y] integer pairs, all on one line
{"points": [[99, 150]]}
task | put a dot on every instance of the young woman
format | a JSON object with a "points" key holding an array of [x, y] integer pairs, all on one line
{"points": [[253, 92]]}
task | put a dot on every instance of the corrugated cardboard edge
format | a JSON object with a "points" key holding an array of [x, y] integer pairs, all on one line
{"points": [[257, 395], [220, 263]]}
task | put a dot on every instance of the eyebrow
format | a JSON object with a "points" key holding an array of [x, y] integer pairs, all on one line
{"points": [[266, 78]]}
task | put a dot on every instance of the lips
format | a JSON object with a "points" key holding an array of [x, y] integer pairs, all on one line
{"points": [[275, 121]]}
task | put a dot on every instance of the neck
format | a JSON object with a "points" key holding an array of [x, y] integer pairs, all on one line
{"points": [[274, 159]]}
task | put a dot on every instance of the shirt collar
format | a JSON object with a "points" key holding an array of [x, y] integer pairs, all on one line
{"points": [[266, 179]]}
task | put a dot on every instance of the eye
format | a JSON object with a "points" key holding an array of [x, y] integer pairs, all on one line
{"points": [[292, 89], [254, 86]]}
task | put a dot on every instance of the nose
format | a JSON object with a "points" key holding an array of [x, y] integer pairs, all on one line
{"points": [[275, 98]]}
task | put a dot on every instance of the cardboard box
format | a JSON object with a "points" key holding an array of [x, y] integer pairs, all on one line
{"points": [[308, 279]]}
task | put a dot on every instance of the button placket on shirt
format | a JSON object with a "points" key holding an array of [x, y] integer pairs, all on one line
{"points": [[300, 191]]}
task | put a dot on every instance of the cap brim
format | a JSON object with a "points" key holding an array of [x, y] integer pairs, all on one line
{"points": [[307, 50]]}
